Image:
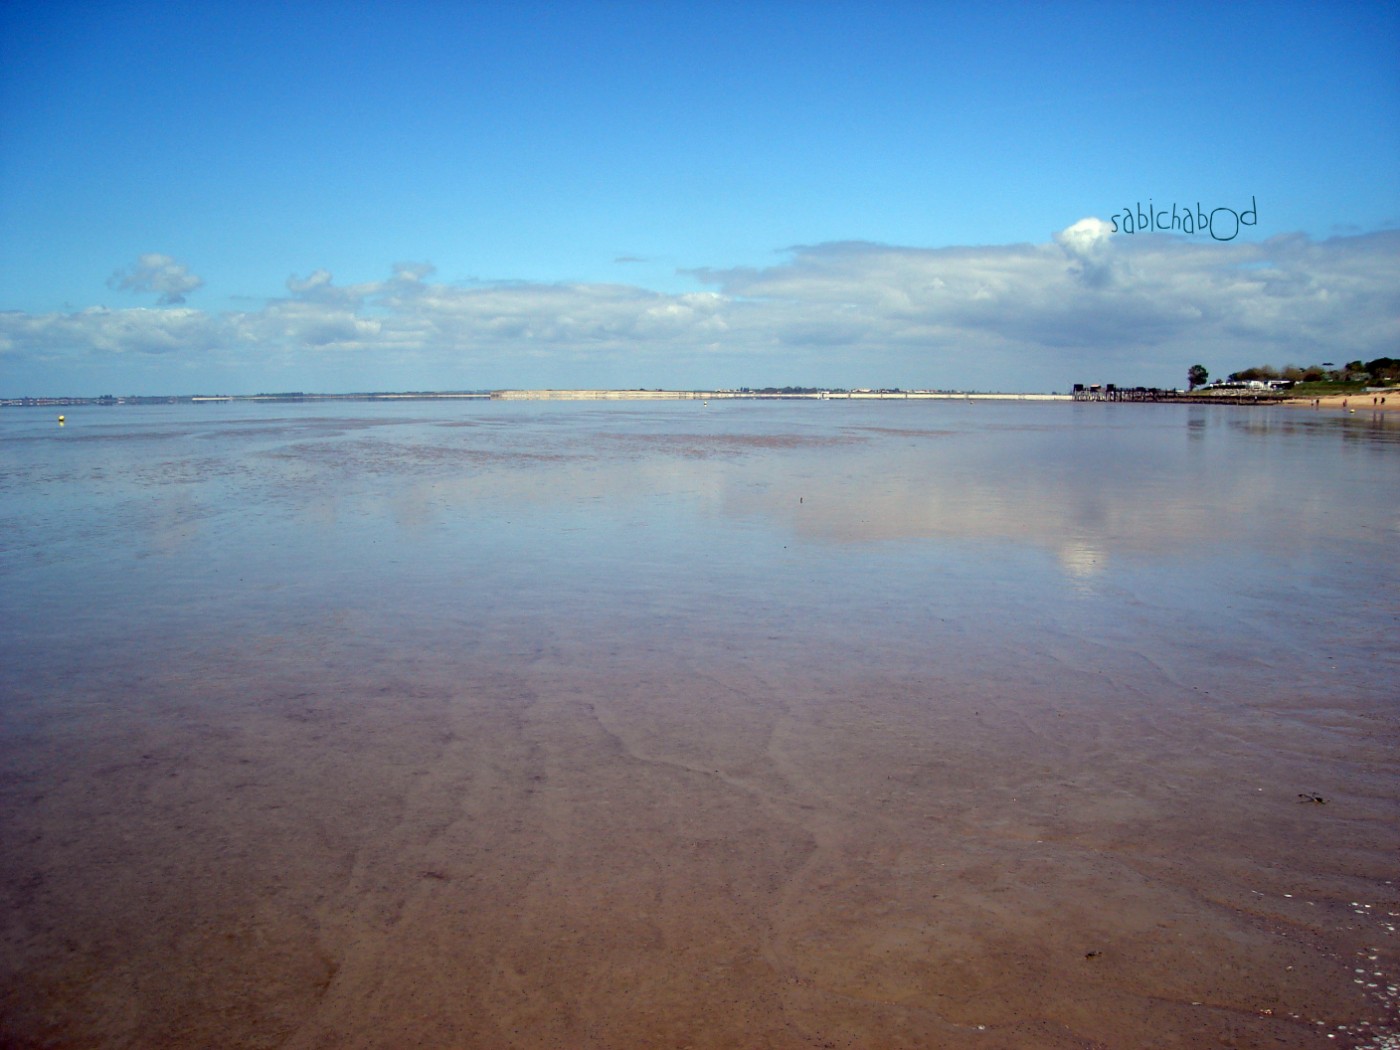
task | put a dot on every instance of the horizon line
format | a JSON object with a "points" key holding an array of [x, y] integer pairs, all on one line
{"points": [[538, 393]]}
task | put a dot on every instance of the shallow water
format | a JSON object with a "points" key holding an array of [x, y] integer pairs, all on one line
{"points": [[766, 724]]}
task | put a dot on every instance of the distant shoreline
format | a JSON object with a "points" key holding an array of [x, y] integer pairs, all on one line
{"points": [[1368, 400], [767, 394]]}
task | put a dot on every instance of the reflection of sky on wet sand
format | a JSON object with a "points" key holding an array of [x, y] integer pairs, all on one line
{"points": [[1089, 492], [1088, 485], [1067, 479], [918, 516]]}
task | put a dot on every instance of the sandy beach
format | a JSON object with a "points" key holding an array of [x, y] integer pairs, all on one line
{"points": [[562, 851], [1386, 402]]}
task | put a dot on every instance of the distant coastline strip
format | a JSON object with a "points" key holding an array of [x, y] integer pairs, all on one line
{"points": [[545, 395], [758, 395], [1369, 397]]}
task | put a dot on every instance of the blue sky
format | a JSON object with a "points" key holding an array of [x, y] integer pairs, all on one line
{"points": [[244, 197]]}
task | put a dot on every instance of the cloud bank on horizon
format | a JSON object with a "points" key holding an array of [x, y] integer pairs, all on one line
{"points": [[690, 195], [1088, 305]]}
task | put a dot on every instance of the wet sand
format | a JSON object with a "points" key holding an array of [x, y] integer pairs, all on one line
{"points": [[668, 852], [680, 808]]}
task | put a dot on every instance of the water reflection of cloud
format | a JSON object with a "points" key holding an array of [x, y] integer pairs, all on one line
{"points": [[1085, 493], [1081, 560], [854, 495]]}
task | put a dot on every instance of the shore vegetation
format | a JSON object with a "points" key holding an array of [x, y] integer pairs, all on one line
{"points": [[1324, 387], [1383, 371]]}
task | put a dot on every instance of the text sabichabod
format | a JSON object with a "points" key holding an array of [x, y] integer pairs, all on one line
{"points": [[1223, 224]]}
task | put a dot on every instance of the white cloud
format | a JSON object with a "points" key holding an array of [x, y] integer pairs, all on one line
{"points": [[316, 280], [1085, 306], [1085, 237], [98, 330], [1087, 243], [1139, 306], [157, 273]]}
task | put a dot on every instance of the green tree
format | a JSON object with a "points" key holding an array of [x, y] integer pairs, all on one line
{"points": [[1196, 376], [1258, 372], [1384, 369]]}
